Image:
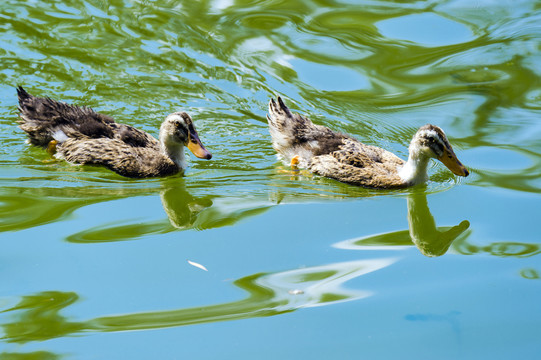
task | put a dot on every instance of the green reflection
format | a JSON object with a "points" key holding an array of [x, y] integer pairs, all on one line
{"points": [[500, 249], [423, 230], [530, 274], [433, 241], [37, 318], [36, 355], [26, 207], [430, 240], [184, 211]]}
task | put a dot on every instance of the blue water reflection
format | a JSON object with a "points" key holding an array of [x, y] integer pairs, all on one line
{"points": [[425, 29]]}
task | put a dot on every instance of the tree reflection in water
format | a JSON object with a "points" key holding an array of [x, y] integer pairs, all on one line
{"points": [[37, 317]]}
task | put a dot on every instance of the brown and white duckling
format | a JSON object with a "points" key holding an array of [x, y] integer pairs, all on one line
{"points": [[82, 136], [303, 144]]}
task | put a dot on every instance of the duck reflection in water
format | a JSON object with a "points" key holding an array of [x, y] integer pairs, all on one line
{"points": [[181, 207], [423, 230], [186, 211], [431, 240]]}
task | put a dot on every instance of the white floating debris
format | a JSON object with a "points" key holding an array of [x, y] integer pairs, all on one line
{"points": [[197, 265], [296, 292]]}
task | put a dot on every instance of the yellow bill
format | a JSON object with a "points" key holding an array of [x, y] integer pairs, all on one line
{"points": [[449, 159], [195, 145]]}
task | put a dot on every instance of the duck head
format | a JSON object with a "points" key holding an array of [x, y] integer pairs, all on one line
{"points": [[430, 142], [178, 130]]}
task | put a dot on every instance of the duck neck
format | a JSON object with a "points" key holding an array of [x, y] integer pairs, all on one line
{"points": [[175, 152], [414, 170]]}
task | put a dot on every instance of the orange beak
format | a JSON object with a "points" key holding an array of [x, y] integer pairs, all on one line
{"points": [[449, 159], [195, 145]]}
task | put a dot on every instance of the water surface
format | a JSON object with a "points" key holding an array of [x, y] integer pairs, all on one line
{"points": [[94, 265]]}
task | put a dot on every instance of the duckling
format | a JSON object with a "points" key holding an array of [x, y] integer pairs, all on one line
{"points": [[325, 152], [80, 135]]}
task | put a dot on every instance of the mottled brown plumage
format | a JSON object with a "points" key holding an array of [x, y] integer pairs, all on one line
{"points": [[82, 136], [331, 154]]}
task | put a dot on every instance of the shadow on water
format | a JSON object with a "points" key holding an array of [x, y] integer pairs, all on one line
{"points": [[37, 317], [451, 319]]}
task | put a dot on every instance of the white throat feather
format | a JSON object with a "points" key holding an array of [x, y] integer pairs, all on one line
{"points": [[414, 170], [172, 149]]}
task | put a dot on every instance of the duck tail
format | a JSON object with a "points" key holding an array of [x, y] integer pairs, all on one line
{"points": [[286, 128], [279, 115], [45, 119], [22, 94], [35, 125], [281, 120]]}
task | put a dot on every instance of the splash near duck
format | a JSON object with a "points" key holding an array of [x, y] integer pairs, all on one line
{"points": [[80, 135], [301, 143]]}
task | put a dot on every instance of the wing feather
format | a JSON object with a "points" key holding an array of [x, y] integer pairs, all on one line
{"points": [[116, 155], [359, 164]]}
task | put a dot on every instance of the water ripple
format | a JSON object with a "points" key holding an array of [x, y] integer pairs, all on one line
{"points": [[375, 69], [332, 64], [269, 295]]}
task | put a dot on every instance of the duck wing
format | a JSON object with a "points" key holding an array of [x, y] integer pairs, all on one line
{"points": [[45, 119], [118, 156], [359, 164]]}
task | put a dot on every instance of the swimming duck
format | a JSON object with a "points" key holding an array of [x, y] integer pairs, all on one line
{"points": [[82, 136], [324, 152]]}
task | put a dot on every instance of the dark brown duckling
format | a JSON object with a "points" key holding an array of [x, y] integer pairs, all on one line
{"points": [[82, 136]]}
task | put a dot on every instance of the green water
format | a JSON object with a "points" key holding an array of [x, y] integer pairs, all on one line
{"points": [[95, 266]]}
